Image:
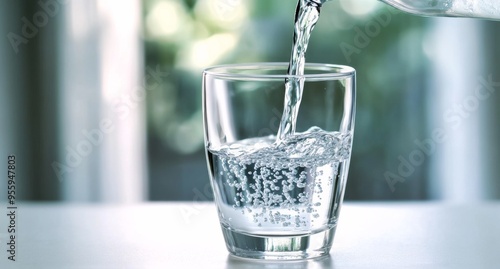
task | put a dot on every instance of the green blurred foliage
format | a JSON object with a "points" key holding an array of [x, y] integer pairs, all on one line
{"points": [[385, 46]]}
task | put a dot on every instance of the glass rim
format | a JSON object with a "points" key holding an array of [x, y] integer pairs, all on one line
{"points": [[325, 71]]}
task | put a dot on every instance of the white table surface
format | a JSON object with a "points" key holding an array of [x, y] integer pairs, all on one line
{"points": [[187, 235]]}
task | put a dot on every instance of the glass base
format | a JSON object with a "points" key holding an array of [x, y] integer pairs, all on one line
{"points": [[279, 247]]}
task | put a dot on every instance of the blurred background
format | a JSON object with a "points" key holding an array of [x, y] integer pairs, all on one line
{"points": [[100, 100]]}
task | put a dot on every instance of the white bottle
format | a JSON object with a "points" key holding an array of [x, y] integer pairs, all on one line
{"points": [[484, 9]]}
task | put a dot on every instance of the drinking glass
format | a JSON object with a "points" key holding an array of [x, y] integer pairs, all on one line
{"points": [[278, 199]]}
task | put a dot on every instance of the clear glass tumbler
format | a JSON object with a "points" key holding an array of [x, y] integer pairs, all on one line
{"points": [[278, 199]]}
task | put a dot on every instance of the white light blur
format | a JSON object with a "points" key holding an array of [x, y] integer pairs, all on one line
{"points": [[455, 70], [166, 18], [80, 27], [120, 74], [225, 14], [120, 37], [358, 7], [186, 137], [206, 52]]}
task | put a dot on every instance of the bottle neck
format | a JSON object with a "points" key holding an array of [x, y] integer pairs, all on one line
{"points": [[488, 9]]}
